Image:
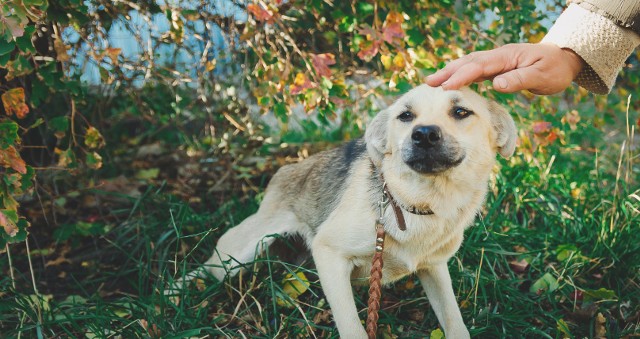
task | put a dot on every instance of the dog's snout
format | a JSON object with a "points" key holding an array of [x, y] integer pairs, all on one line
{"points": [[426, 136]]}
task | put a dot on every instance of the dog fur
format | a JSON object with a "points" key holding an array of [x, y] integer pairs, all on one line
{"points": [[330, 199]]}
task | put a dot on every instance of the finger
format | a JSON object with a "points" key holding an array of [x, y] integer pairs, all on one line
{"points": [[518, 79], [485, 65], [464, 76], [442, 75]]}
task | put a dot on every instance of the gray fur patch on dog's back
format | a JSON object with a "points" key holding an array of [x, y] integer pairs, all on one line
{"points": [[312, 188]]}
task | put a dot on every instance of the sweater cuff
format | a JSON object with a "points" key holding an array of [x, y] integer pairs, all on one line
{"points": [[602, 44]]}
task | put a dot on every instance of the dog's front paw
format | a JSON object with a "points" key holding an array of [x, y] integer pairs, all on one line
{"points": [[457, 333], [356, 333]]}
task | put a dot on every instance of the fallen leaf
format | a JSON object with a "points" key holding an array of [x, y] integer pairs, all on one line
{"points": [[14, 103], [293, 286], [146, 174], [577, 295], [153, 330], [153, 149], [519, 266], [321, 63], [57, 261], [601, 330], [436, 334], [121, 185], [547, 283], [599, 294]]}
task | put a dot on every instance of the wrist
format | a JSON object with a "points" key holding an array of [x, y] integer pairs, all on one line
{"points": [[574, 61]]}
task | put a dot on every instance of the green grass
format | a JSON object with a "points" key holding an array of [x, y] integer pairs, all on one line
{"points": [[571, 215]]}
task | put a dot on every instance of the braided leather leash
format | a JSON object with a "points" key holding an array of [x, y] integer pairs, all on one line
{"points": [[375, 278]]}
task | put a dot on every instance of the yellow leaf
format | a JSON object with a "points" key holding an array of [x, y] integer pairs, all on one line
{"points": [[293, 286], [300, 79], [436, 334], [386, 61], [13, 102], [210, 65], [398, 60], [93, 138]]}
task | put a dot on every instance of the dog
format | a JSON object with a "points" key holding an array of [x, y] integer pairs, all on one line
{"points": [[435, 151]]}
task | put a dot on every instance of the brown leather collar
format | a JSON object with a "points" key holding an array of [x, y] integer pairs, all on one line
{"points": [[397, 211]]}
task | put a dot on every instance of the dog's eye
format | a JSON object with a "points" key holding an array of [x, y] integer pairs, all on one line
{"points": [[406, 116], [461, 113]]}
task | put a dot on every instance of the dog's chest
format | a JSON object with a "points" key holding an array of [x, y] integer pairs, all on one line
{"points": [[409, 256]]}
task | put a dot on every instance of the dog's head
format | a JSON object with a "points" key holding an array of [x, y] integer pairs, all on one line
{"points": [[432, 131]]}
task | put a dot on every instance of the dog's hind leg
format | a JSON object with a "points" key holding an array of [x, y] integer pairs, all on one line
{"points": [[242, 243]]}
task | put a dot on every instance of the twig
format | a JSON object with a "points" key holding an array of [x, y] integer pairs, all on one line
{"points": [[13, 279]]}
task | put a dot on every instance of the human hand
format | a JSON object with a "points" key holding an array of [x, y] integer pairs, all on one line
{"points": [[542, 68]]}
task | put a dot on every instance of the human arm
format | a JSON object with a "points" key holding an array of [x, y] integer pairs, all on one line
{"points": [[580, 40]]}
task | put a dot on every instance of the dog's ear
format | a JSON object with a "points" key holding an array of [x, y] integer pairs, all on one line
{"points": [[376, 137], [505, 129]]}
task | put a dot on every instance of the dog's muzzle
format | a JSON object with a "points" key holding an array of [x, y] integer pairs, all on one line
{"points": [[430, 151]]}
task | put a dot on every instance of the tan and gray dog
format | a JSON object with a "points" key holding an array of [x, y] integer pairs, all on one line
{"points": [[436, 150]]}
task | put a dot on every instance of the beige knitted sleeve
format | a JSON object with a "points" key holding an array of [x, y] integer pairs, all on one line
{"points": [[602, 44]]}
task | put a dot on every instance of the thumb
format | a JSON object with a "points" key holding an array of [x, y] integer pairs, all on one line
{"points": [[517, 80]]}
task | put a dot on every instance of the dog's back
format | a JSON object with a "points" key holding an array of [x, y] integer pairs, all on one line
{"points": [[313, 187]]}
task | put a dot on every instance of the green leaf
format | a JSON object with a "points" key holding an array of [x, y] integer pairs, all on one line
{"points": [[280, 111], [264, 101], [8, 134], [415, 37], [37, 3], [147, 174], [7, 48], [563, 252], [364, 9], [59, 125], [94, 160], [4, 59], [39, 92], [26, 182], [599, 294], [24, 42], [547, 283]]}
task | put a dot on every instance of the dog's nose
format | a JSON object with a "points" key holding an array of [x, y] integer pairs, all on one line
{"points": [[426, 136]]}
